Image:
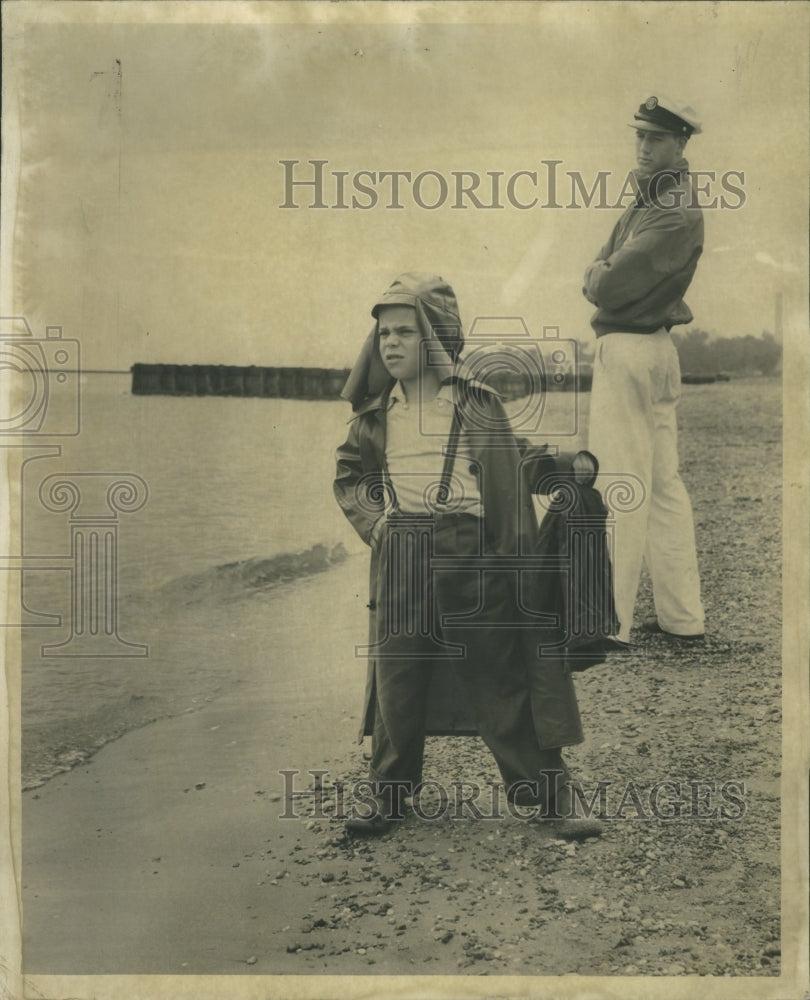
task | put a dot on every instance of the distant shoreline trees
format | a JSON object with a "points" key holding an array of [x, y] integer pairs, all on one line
{"points": [[701, 353]]}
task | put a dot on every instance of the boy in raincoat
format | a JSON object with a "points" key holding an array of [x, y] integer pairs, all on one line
{"points": [[430, 477]]}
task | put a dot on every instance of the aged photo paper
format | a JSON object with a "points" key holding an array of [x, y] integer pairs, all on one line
{"points": [[201, 203]]}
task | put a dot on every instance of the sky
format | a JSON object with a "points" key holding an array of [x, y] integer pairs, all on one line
{"points": [[146, 216]]}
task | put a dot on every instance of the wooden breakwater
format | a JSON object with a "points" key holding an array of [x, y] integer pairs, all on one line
{"points": [[300, 383], [236, 380], [325, 383]]}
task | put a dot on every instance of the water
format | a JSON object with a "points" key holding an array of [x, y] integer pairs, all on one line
{"points": [[230, 481]]}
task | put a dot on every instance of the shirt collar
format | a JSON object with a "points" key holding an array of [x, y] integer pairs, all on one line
{"points": [[397, 394]]}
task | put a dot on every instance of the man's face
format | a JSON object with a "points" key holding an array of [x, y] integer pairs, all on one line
{"points": [[400, 341], [657, 151]]}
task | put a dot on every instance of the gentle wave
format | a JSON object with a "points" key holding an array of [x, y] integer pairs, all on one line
{"points": [[248, 577]]}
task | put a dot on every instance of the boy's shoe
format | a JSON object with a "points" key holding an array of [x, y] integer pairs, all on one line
{"points": [[578, 829], [651, 625], [369, 826], [565, 822], [377, 822]]}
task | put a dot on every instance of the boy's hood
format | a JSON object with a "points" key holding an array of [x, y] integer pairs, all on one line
{"points": [[439, 321]]}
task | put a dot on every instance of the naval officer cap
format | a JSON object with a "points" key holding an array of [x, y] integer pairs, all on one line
{"points": [[660, 114]]}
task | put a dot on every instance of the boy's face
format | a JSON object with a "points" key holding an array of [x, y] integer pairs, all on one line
{"points": [[400, 341]]}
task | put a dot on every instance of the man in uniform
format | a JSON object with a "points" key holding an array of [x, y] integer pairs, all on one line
{"points": [[637, 283]]}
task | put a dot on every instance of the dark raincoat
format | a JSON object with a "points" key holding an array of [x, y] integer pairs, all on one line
{"points": [[541, 685]]}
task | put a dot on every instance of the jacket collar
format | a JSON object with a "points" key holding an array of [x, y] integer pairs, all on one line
{"points": [[372, 404], [664, 180]]}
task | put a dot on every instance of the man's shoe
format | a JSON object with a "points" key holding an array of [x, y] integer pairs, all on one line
{"points": [[651, 625], [613, 645]]}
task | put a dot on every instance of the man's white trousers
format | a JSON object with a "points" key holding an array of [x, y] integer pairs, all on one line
{"points": [[633, 433]]}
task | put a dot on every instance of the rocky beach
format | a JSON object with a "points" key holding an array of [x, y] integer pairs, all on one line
{"points": [[206, 843]]}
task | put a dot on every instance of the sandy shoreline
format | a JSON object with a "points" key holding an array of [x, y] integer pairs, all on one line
{"points": [[199, 792]]}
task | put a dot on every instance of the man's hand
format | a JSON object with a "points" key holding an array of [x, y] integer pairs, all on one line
{"points": [[585, 468], [591, 278]]}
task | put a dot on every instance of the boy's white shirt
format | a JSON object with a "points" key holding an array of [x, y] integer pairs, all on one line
{"points": [[416, 439]]}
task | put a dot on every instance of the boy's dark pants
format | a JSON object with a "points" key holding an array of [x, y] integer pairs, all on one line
{"points": [[416, 594]]}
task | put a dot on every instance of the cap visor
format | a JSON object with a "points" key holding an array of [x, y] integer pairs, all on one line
{"points": [[643, 126], [396, 299]]}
